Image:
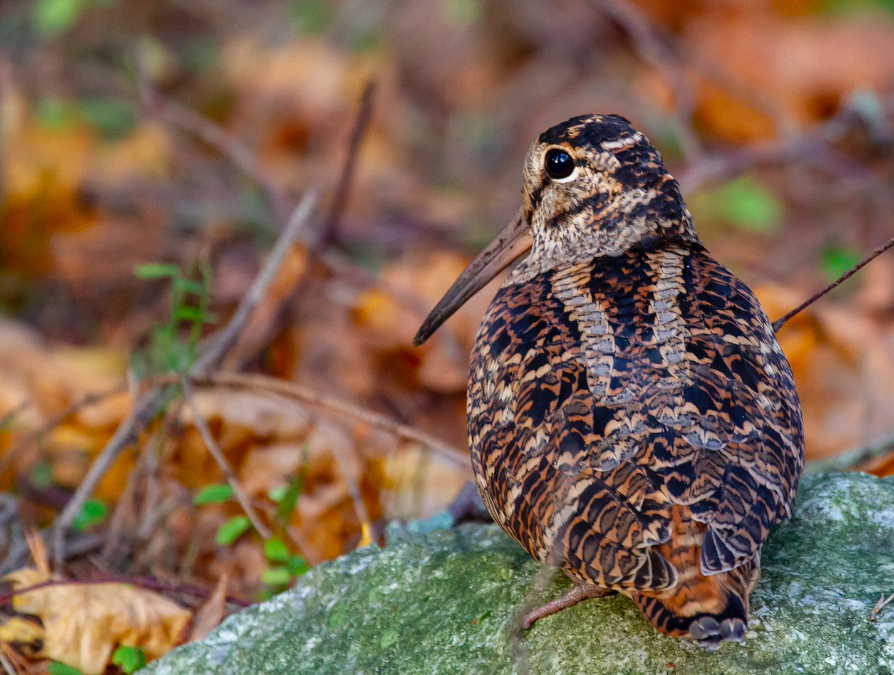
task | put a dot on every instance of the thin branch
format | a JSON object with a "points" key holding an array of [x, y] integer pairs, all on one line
{"points": [[328, 234], [212, 352], [218, 345], [226, 143], [297, 392], [8, 667], [654, 51], [142, 582], [38, 434], [852, 458], [781, 321], [356, 495], [771, 153], [140, 417], [7, 418], [115, 533], [658, 45], [217, 453], [343, 189]]}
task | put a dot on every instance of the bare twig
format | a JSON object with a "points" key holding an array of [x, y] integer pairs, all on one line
{"points": [[38, 434], [326, 235], [126, 504], [216, 347], [343, 189], [655, 52], [226, 143], [297, 392], [726, 165], [143, 582], [350, 475], [140, 417], [854, 457], [781, 321], [212, 353], [8, 667], [8, 417], [217, 453], [659, 46]]}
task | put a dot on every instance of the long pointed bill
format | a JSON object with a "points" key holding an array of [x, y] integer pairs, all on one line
{"points": [[510, 244]]}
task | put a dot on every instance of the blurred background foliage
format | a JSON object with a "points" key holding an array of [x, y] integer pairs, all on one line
{"points": [[125, 220]]}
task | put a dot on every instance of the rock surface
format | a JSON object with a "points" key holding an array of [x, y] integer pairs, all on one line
{"points": [[446, 603]]}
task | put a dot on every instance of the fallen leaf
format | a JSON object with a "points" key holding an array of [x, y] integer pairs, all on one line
{"points": [[210, 614], [26, 634], [84, 623]]}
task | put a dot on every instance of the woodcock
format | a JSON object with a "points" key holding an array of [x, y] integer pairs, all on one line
{"points": [[632, 419]]}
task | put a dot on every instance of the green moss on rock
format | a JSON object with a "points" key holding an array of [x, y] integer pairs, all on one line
{"points": [[447, 603]]}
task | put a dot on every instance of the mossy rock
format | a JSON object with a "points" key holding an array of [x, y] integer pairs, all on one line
{"points": [[447, 603]]}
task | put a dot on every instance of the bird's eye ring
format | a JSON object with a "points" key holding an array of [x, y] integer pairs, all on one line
{"points": [[559, 164]]}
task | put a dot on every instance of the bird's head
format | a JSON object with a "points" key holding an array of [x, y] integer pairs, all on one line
{"points": [[593, 186]]}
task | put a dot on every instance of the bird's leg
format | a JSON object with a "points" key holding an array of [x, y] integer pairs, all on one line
{"points": [[572, 597]]}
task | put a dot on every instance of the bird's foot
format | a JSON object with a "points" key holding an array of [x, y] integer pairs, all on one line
{"points": [[710, 634], [572, 597]]}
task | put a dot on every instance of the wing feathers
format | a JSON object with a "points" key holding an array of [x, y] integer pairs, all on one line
{"points": [[605, 394]]}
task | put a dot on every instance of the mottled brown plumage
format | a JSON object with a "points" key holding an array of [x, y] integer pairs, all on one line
{"points": [[632, 419]]}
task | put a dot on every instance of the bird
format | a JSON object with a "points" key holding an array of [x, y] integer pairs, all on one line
{"points": [[632, 419]]}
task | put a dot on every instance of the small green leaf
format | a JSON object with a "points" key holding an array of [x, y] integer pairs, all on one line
{"points": [[461, 12], [92, 512], [187, 313], [277, 494], [111, 118], [52, 17], [275, 550], [213, 494], [311, 16], [743, 203], [57, 668], [130, 659], [297, 566], [836, 260], [157, 271], [276, 576], [231, 530], [54, 114], [189, 286], [42, 475], [289, 500], [200, 53]]}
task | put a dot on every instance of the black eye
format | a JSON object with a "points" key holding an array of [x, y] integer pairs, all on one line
{"points": [[558, 164]]}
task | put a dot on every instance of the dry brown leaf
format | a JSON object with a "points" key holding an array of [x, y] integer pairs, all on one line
{"points": [[248, 413], [806, 64], [210, 614], [38, 549], [270, 467], [84, 623]]}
